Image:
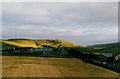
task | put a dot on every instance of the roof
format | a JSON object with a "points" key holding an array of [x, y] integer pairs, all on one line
{"points": [[107, 54]]}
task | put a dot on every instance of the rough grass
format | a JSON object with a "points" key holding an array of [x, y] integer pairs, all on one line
{"points": [[19, 43], [18, 66], [108, 48], [32, 43]]}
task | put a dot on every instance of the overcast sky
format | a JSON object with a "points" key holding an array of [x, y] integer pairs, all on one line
{"points": [[82, 23]]}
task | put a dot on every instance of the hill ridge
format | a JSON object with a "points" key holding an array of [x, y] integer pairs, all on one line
{"points": [[35, 43]]}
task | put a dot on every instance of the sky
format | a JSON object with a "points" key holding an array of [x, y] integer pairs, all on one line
{"points": [[83, 23]]}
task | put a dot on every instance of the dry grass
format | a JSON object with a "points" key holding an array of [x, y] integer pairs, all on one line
{"points": [[21, 43], [32, 43], [14, 66]]}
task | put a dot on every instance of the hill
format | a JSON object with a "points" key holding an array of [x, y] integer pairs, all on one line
{"points": [[108, 48], [42, 67], [35, 43]]}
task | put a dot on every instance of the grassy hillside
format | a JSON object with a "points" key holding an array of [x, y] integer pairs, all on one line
{"points": [[108, 48], [18, 66], [105, 45], [5, 45], [84, 49], [55, 43], [35, 43]]}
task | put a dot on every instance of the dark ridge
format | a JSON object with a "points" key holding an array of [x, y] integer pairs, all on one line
{"points": [[17, 39]]}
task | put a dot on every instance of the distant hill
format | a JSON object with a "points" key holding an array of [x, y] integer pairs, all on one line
{"points": [[35, 43], [108, 48]]}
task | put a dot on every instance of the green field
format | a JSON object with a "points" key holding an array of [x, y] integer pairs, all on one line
{"points": [[22, 66], [107, 48]]}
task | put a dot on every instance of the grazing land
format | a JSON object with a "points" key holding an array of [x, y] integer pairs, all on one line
{"points": [[107, 48], [23, 66], [35, 43]]}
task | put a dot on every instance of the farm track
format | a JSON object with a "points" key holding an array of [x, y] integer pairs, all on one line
{"points": [[17, 66]]}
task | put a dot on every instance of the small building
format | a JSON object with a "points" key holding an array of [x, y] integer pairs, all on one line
{"points": [[61, 50], [43, 49], [22, 49], [117, 57], [105, 57], [18, 49], [109, 57]]}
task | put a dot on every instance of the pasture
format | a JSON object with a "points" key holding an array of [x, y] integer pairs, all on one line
{"points": [[23, 66]]}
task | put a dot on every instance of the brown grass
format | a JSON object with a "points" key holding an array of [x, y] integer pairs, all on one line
{"points": [[14, 66], [21, 43], [32, 43]]}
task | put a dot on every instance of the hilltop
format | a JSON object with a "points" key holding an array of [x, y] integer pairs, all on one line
{"points": [[35, 43]]}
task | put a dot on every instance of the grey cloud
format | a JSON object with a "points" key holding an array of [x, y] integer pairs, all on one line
{"points": [[74, 22]]}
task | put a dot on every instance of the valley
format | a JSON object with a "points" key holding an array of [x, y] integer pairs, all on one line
{"points": [[55, 58]]}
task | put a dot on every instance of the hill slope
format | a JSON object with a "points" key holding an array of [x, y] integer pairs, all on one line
{"points": [[35, 43], [20, 66], [108, 48]]}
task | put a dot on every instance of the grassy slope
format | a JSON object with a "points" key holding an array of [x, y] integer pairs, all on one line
{"points": [[55, 43], [32, 43], [110, 48], [18, 43], [105, 45], [14, 66]]}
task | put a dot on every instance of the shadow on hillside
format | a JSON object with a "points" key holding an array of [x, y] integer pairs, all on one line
{"points": [[111, 66], [35, 55]]}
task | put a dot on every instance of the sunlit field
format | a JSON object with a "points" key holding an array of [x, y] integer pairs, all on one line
{"points": [[22, 66]]}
